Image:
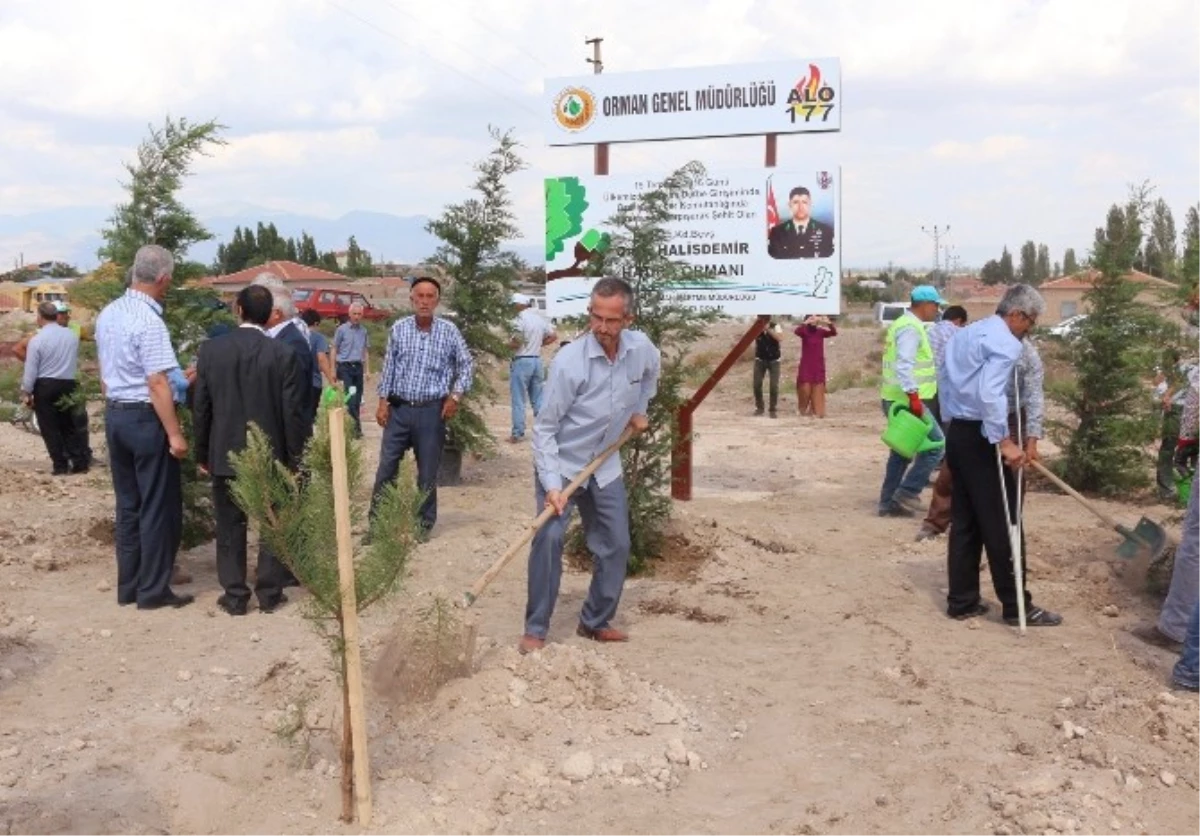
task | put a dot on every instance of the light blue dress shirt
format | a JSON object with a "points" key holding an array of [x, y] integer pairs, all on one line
{"points": [[133, 343], [351, 342], [53, 353], [973, 380], [587, 403]]}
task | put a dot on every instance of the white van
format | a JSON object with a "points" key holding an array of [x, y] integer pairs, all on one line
{"points": [[888, 312]]}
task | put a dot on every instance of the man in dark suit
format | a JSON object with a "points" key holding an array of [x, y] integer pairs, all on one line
{"points": [[245, 377], [286, 326], [800, 236]]}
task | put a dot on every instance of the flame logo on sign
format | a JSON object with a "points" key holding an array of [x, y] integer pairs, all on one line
{"points": [[807, 87]]}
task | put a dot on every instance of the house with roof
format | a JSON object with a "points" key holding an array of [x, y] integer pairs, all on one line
{"points": [[1064, 297], [292, 274]]}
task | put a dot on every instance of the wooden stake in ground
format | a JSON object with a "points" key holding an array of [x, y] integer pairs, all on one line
{"points": [[354, 743]]}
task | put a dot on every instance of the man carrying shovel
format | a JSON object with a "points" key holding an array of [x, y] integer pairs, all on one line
{"points": [[973, 390], [599, 386]]}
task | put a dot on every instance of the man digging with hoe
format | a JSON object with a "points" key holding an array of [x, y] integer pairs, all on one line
{"points": [[598, 386]]}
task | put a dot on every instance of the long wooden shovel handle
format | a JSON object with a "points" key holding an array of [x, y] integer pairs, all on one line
{"points": [[472, 595], [1076, 495]]}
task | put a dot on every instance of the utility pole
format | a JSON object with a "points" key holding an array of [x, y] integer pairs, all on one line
{"points": [[601, 149], [936, 234]]}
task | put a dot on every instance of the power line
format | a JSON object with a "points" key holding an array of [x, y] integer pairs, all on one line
{"points": [[936, 233], [443, 39]]}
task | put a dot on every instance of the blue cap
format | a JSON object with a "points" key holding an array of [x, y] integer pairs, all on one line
{"points": [[927, 293]]}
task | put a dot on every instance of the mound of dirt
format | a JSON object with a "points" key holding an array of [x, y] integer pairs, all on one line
{"points": [[543, 728]]}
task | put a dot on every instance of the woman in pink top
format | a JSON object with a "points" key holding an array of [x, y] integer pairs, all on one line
{"points": [[810, 377]]}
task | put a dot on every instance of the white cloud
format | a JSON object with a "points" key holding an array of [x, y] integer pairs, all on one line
{"points": [[955, 110], [988, 149]]}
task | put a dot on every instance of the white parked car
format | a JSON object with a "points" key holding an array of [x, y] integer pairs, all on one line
{"points": [[1067, 327], [888, 312]]}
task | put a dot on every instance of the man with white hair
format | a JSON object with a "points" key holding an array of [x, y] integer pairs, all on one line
{"points": [[145, 441], [352, 360], [286, 325], [973, 384]]}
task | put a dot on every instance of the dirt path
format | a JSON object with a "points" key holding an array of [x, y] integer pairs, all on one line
{"points": [[802, 679]]}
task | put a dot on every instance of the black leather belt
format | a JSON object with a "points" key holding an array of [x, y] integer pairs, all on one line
{"points": [[397, 401], [349, 362], [129, 405], [527, 357]]}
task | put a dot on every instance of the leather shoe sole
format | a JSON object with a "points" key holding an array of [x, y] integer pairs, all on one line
{"points": [[976, 611], [529, 643], [603, 634], [172, 600], [1151, 635], [232, 606], [271, 606]]}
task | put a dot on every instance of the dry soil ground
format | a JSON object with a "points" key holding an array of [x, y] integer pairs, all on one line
{"points": [[800, 679]]}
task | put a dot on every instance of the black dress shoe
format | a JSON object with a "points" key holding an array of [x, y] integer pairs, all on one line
{"points": [[60, 471], [80, 469], [287, 582], [231, 605], [269, 606], [169, 600]]}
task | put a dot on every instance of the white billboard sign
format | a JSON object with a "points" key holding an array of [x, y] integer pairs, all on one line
{"points": [[738, 100], [761, 242]]}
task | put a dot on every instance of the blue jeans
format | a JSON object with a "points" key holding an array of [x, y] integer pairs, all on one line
{"points": [[1185, 577], [901, 480], [149, 503], [525, 385], [1187, 669], [605, 513], [422, 430]]}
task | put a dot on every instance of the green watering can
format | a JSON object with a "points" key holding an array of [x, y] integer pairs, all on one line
{"points": [[907, 434]]}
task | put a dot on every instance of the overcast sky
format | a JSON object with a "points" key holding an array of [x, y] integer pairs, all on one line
{"points": [[1006, 120]]}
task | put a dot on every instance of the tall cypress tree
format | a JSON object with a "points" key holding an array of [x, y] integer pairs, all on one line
{"points": [[1113, 420]]}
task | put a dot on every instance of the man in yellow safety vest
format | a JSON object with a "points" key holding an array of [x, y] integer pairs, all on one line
{"points": [[910, 378]]}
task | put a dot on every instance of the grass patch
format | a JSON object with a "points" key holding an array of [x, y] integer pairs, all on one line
{"points": [[852, 379], [10, 382]]}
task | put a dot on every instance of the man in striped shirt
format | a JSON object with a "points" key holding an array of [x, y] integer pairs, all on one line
{"points": [[145, 442], [426, 370]]}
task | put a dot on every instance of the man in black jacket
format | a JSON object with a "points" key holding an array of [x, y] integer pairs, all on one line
{"points": [[245, 377], [286, 326], [768, 355]]}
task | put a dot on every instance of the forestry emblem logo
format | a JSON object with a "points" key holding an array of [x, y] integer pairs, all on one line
{"points": [[574, 109]]}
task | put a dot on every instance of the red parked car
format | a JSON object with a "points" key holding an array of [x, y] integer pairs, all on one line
{"points": [[335, 304]]}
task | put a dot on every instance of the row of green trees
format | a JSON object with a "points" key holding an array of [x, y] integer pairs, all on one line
{"points": [[1160, 252], [248, 249], [1034, 269]]}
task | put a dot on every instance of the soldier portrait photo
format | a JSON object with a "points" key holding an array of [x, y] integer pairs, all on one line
{"points": [[801, 235]]}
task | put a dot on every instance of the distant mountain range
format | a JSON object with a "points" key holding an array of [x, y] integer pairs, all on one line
{"points": [[72, 235]]}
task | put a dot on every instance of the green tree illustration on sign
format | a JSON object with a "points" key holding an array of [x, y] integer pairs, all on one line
{"points": [[566, 201]]}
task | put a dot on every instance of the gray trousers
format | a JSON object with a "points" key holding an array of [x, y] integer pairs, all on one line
{"points": [[1184, 592], [605, 514]]}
